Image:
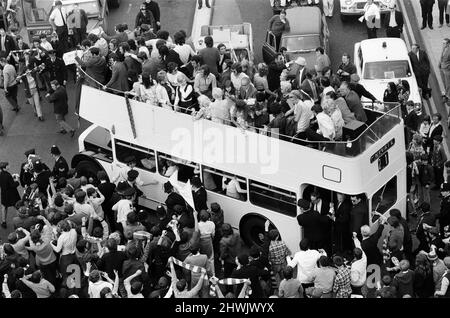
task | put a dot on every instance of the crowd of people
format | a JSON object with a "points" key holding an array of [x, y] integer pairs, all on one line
{"points": [[75, 236]]}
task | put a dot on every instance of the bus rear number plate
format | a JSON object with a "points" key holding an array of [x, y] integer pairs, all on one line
{"points": [[382, 150]]}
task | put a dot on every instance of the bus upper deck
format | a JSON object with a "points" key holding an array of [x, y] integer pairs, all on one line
{"points": [[347, 165]]}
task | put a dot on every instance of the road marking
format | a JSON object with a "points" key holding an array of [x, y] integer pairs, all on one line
{"points": [[430, 106]]}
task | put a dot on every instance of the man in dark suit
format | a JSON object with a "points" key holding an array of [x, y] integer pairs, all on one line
{"points": [[61, 168], [55, 69], [199, 194], [310, 87], [370, 240], [359, 215], [322, 206], [342, 235], [312, 223], [95, 66], [26, 174], [427, 13], [107, 189], [250, 272], [60, 106], [421, 67], [173, 198], [42, 177], [153, 7], [7, 43], [393, 22], [8, 190], [78, 19], [411, 121]]}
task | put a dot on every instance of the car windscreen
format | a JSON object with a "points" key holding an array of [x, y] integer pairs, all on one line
{"points": [[37, 11], [386, 69], [301, 43]]}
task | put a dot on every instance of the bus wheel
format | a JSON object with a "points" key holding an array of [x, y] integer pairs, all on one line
{"points": [[87, 169], [252, 230]]}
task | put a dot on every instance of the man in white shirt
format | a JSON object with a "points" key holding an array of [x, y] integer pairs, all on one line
{"points": [[125, 205], [358, 272], [45, 44], [326, 125], [301, 110], [306, 262], [58, 20], [96, 284]]}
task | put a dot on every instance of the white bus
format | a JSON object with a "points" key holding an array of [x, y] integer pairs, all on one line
{"points": [[273, 172]]}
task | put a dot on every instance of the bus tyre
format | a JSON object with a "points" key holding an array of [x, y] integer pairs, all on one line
{"points": [[251, 230], [87, 169]]}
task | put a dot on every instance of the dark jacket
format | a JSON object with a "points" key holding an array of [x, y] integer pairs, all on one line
{"points": [[361, 91], [342, 225], [134, 68], [398, 19], [59, 100], [42, 181], [95, 67], [112, 261], [369, 246], [412, 121], [355, 106], [57, 70], [10, 44], [8, 188], [146, 18], [313, 223], [404, 283], [230, 247], [61, 168], [153, 7], [359, 216], [423, 283], [119, 78], [200, 197], [84, 19], [421, 65], [174, 199], [253, 273]]}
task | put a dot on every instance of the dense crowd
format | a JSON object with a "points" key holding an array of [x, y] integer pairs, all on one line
{"points": [[75, 236]]}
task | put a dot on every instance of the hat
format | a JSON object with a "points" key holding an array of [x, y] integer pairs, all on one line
{"points": [[30, 152], [432, 256], [438, 138], [215, 207], [304, 204], [354, 78], [445, 186], [300, 61], [447, 261], [132, 174], [54, 150], [58, 3], [3, 164]]}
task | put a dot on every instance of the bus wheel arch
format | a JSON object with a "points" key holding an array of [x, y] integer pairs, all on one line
{"points": [[250, 226], [86, 166]]}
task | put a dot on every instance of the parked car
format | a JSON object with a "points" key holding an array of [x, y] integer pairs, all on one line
{"points": [[356, 7], [308, 30], [383, 60]]}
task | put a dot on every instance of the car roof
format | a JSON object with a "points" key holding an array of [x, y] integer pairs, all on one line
{"points": [[372, 49], [304, 20]]}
